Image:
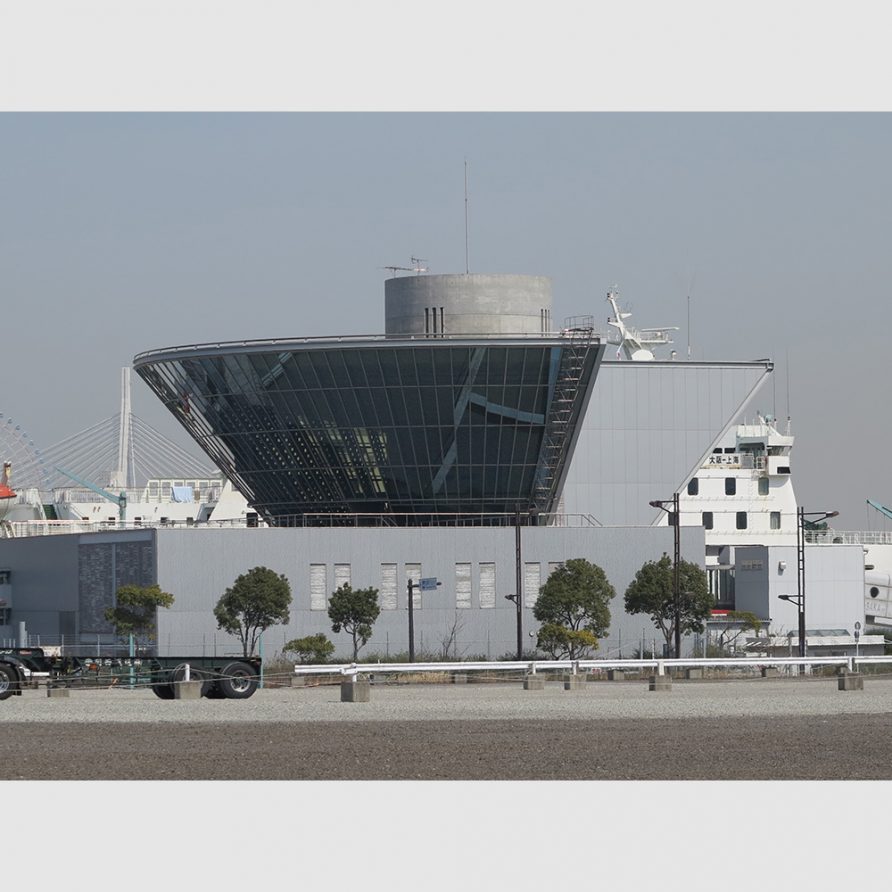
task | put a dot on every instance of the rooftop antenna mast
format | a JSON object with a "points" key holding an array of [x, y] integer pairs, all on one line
{"points": [[416, 267], [467, 266]]}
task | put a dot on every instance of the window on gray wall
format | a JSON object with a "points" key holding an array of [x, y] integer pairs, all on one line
{"points": [[341, 575], [487, 585], [413, 572], [318, 588], [387, 594], [463, 585], [532, 581]]}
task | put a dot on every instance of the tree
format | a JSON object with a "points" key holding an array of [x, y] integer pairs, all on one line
{"points": [[652, 591], [354, 611], [738, 622], [311, 649], [136, 610], [256, 600], [574, 609]]}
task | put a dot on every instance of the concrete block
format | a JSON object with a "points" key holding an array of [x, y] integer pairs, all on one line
{"points": [[56, 692], [770, 672], [533, 683], [574, 682], [187, 690], [693, 672], [359, 691], [299, 681], [659, 683], [459, 678], [616, 675], [850, 681]]}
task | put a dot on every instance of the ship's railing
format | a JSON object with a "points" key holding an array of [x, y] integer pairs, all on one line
{"points": [[24, 528], [849, 537], [148, 495]]}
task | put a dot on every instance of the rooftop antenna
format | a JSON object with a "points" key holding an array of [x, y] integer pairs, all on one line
{"points": [[467, 267], [416, 267], [787, 364]]}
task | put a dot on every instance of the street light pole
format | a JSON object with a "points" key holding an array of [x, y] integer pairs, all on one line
{"points": [[799, 597], [519, 589], [675, 520], [409, 587]]}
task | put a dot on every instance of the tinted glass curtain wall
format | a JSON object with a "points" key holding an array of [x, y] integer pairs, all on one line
{"points": [[400, 429]]}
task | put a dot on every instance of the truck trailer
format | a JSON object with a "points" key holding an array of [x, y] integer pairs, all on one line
{"points": [[227, 677]]}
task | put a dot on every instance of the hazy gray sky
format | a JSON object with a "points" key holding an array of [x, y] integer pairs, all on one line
{"points": [[125, 232]]}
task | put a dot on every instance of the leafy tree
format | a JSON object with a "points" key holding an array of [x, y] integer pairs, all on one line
{"points": [[257, 600], [311, 649], [573, 607], [652, 591], [354, 611], [136, 609]]}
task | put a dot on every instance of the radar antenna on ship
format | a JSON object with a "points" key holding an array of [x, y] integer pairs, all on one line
{"points": [[634, 343]]}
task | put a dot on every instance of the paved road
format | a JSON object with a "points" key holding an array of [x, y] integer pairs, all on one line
{"points": [[758, 730]]}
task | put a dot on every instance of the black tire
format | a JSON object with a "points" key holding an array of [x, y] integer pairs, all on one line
{"points": [[238, 681], [164, 691], [179, 674], [214, 692], [9, 681]]}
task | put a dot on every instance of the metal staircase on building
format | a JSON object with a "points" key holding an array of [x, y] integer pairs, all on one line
{"points": [[563, 413]]}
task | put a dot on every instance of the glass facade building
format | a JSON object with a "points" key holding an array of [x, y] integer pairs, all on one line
{"points": [[410, 429]]}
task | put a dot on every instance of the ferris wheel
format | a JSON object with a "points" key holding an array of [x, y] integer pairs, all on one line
{"points": [[16, 446]]}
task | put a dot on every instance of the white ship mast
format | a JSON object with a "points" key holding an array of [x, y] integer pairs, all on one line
{"points": [[635, 343]]}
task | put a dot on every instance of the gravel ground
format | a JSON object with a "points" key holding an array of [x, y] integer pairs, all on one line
{"points": [[759, 729]]}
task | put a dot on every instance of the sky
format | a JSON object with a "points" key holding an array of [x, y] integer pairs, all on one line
{"points": [[204, 170], [123, 232]]}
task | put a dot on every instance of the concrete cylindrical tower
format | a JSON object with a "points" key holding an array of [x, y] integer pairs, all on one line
{"points": [[470, 303]]}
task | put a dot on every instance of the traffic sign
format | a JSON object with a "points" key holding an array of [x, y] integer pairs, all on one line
{"points": [[429, 583]]}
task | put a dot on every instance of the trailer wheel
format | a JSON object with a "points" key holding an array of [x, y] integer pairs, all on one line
{"points": [[214, 692], [164, 691], [238, 681], [179, 674], [9, 681]]}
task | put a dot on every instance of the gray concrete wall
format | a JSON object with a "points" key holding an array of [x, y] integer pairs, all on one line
{"points": [[834, 585], [198, 565], [472, 304]]}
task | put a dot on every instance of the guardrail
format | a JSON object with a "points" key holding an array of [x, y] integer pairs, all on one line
{"points": [[574, 667]]}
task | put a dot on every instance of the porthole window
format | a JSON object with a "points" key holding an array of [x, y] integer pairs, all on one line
{"points": [[874, 592]]}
